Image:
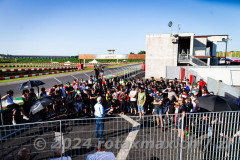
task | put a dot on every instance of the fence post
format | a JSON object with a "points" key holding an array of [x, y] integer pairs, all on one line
{"points": [[182, 130], [1, 110], [61, 136]]}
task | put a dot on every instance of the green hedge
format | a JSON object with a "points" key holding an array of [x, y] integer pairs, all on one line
{"points": [[234, 54]]}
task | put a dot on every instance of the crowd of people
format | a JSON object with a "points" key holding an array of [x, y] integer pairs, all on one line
{"points": [[133, 96], [97, 97]]}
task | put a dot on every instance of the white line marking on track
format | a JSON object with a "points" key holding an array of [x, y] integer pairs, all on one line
{"points": [[57, 80], [124, 151], [87, 75]]}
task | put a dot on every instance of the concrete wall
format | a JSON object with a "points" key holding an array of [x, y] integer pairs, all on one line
{"points": [[229, 76], [222, 89], [160, 52], [200, 46], [173, 72]]}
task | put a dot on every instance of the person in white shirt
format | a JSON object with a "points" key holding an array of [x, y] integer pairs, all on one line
{"points": [[133, 100], [13, 106], [101, 154], [99, 113]]}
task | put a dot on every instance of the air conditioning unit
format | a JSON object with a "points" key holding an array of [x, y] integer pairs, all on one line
{"points": [[174, 40]]}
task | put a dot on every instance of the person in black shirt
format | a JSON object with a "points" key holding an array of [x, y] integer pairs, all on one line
{"points": [[32, 95], [101, 70], [158, 106], [93, 101], [114, 107], [96, 71], [86, 101], [125, 88]]}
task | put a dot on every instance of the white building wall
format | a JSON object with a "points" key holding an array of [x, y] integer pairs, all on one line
{"points": [[229, 76], [160, 52]]}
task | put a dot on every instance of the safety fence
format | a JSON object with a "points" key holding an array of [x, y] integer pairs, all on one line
{"points": [[195, 136], [125, 72]]}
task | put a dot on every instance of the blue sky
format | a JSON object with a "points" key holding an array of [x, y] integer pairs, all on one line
{"points": [[71, 27]]}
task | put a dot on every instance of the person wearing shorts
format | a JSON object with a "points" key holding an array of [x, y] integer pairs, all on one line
{"points": [[181, 110], [13, 106], [141, 101], [158, 106], [133, 100]]}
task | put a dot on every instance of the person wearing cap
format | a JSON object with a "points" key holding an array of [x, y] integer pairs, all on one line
{"points": [[101, 154], [99, 114], [158, 106], [184, 93], [75, 84]]}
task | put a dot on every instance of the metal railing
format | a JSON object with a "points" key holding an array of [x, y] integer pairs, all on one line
{"points": [[197, 61], [183, 58], [125, 72], [197, 136], [186, 58]]}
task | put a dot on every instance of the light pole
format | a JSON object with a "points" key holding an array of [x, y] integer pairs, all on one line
{"points": [[226, 40]]}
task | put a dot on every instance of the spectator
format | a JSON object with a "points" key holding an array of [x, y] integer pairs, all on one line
{"points": [[204, 91], [56, 147], [141, 102], [201, 83], [43, 93], [158, 107], [93, 100], [211, 93], [133, 100], [123, 97], [79, 102], [99, 114], [101, 70], [24, 154], [114, 107], [57, 103], [33, 95], [27, 101], [96, 71], [13, 106], [181, 114], [101, 154], [195, 89]]}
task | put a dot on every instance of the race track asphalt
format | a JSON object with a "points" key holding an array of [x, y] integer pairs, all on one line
{"points": [[50, 80]]}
